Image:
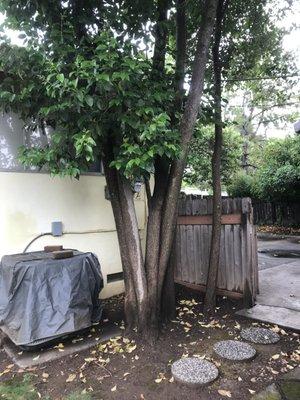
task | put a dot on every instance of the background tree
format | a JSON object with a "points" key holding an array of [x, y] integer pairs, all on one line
{"points": [[237, 52], [260, 88], [199, 168], [277, 173], [85, 73]]}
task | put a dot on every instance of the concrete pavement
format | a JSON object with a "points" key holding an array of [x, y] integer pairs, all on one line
{"points": [[278, 301]]}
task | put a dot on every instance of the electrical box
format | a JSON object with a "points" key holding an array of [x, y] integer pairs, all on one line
{"points": [[56, 228]]}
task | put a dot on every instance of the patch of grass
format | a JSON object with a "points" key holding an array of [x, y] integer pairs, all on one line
{"points": [[291, 390], [18, 389], [78, 396]]}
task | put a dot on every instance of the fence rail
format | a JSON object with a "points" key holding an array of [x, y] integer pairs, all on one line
{"points": [[238, 272]]}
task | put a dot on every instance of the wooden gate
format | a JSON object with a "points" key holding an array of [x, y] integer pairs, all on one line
{"points": [[238, 271]]}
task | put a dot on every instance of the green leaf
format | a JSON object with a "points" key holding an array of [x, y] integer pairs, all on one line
{"points": [[89, 100], [60, 77]]}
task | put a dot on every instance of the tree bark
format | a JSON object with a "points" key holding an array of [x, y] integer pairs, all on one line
{"points": [[214, 257], [181, 35], [161, 35], [130, 309], [153, 240]]}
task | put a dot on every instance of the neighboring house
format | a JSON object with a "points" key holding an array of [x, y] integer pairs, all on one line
{"points": [[31, 200]]}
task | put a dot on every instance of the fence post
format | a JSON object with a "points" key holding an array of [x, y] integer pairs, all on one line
{"points": [[248, 273]]}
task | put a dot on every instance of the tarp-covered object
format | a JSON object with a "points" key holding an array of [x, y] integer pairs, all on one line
{"points": [[42, 298]]}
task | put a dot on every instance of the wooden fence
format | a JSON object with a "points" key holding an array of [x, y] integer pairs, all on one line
{"points": [[275, 213], [238, 271]]}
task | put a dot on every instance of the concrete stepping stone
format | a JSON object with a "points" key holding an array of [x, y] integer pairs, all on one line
{"points": [[260, 335], [193, 371], [234, 350]]}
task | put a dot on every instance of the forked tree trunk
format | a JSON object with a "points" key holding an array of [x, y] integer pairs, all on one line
{"points": [[214, 257], [145, 278]]}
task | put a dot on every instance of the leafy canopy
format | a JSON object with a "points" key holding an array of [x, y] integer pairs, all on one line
{"points": [[84, 72], [88, 95]]}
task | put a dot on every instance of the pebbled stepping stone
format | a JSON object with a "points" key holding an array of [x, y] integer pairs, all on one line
{"points": [[260, 335], [234, 350], [193, 371]]}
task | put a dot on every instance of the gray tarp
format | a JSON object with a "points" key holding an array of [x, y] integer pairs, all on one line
{"points": [[42, 298]]}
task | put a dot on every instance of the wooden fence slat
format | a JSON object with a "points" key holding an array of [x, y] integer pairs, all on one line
{"points": [[177, 266], [237, 257], [190, 253], [222, 264]]}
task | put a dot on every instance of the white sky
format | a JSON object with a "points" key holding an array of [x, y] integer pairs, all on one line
{"points": [[291, 43]]}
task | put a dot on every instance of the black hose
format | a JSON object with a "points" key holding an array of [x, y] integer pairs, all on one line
{"points": [[34, 239]]}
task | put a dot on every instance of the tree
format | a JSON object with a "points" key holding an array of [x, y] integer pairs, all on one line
{"points": [[278, 176], [235, 51], [277, 173], [84, 72], [214, 255], [199, 167]]}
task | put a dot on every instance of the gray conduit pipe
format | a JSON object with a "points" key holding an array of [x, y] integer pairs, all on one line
{"points": [[68, 233]]}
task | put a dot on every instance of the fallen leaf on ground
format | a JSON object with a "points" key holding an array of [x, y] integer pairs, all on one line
{"points": [[71, 378], [275, 357], [225, 393]]}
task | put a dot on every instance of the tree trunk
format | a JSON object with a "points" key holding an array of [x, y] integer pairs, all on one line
{"points": [[214, 257], [130, 297], [146, 278]]}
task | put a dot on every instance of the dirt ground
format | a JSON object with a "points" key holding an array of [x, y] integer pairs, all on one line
{"points": [[279, 230], [124, 369]]}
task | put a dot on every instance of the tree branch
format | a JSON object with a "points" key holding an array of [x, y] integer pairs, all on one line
{"points": [[186, 129], [214, 256], [180, 52], [161, 35]]}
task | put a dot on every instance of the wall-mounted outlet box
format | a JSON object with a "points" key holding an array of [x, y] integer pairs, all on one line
{"points": [[56, 228]]}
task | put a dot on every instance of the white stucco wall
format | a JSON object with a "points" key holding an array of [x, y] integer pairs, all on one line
{"points": [[29, 202]]}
